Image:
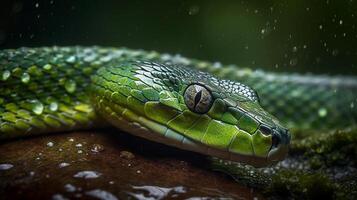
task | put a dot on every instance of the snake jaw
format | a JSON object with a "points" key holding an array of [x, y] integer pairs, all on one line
{"points": [[278, 153]]}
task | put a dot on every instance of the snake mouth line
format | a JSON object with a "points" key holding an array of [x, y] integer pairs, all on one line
{"points": [[151, 130], [173, 138], [275, 154], [280, 145]]}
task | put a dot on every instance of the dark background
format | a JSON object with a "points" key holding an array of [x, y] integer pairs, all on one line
{"points": [[297, 35]]}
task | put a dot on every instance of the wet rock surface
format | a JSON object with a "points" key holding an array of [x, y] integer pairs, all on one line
{"points": [[320, 165], [106, 164]]}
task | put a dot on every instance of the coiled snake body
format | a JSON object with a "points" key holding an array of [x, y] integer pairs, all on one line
{"points": [[168, 99]]}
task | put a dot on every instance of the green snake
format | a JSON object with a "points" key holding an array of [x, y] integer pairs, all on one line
{"points": [[190, 104]]}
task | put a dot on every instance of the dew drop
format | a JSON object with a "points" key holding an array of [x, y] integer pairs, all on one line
{"points": [[322, 112], [47, 67], [96, 148], [6, 166], [293, 62], [71, 59], [87, 174], [294, 49], [101, 194], [5, 75], [64, 164], [53, 106], [36, 106], [70, 188], [70, 86], [25, 78], [50, 144], [335, 52]]}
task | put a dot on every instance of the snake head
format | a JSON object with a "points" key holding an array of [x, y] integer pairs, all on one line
{"points": [[236, 122], [191, 110]]}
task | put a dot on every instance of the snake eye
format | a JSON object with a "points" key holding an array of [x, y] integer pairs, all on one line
{"points": [[198, 99]]}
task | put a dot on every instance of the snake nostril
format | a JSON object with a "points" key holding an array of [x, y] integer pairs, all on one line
{"points": [[265, 129], [275, 141]]}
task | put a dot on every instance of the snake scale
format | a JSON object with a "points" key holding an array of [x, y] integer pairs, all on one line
{"points": [[187, 103]]}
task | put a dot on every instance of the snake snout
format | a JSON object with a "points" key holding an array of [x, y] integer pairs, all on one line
{"points": [[280, 136], [280, 142]]}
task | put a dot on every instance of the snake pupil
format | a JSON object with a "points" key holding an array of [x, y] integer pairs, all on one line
{"points": [[198, 97]]}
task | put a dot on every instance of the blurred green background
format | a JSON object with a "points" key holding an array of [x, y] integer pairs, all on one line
{"points": [[297, 35]]}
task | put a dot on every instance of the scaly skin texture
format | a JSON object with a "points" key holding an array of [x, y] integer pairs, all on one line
{"points": [[60, 89], [48, 89]]}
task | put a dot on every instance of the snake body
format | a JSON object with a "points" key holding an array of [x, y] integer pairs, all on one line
{"points": [[169, 99]]}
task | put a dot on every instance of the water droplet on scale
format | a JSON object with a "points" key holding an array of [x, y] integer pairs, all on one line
{"points": [[70, 86], [71, 59], [47, 67], [25, 78], [5, 75], [53, 106], [36, 106]]}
